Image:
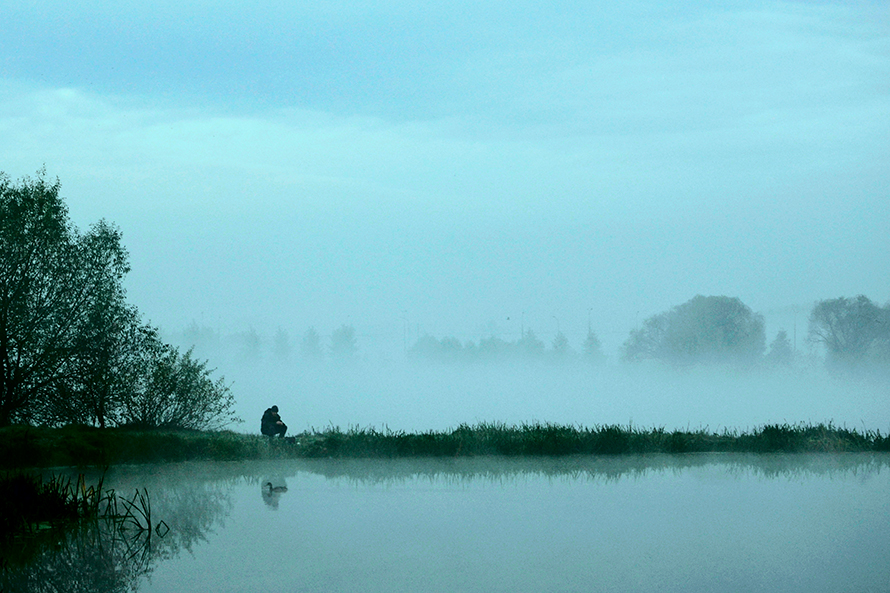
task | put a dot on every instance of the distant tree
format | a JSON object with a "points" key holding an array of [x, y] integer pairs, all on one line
{"points": [[780, 350], [704, 329], [448, 349], [529, 346], [649, 341], [451, 348], [853, 331], [250, 343], [560, 345], [494, 348], [593, 351], [344, 345], [281, 344], [200, 337], [426, 347], [310, 347]]}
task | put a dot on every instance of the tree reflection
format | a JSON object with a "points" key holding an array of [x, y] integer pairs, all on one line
{"points": [[96, 556], [108, 554]]}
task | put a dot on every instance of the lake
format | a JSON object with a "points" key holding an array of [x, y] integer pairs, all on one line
{"points": [[715, 522]]}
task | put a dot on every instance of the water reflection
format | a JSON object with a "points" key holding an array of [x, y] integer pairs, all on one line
{"points": [[99, 555], [484, 517], [105, 555], [595, 468], [273, 488]]}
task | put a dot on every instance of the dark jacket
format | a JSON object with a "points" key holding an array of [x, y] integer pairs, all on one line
{"points": [[269, 421]]}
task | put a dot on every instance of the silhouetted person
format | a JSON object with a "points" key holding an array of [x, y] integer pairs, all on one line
{"points": [[271, 423]]}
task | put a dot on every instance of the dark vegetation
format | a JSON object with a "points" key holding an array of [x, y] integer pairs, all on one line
{"points": [[560, 440], [855, 332], [38, 513], [72, 350], [85, 382], [83, 445]]}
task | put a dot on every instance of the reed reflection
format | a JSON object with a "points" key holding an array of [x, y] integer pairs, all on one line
{"points": [[102, 554], [108, 554], [596, 468]]}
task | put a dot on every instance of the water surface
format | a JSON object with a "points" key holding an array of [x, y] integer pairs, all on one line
{"points": [[667, 523]]}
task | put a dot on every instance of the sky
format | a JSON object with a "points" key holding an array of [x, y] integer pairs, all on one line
{"points": [[462, 168]]}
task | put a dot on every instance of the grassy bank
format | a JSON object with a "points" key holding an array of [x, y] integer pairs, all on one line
{"points": [[81, 445]]}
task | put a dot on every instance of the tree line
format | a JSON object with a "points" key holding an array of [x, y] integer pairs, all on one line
{"points": [[493, 349], [341, 345], [72, 349], [854, 332]]}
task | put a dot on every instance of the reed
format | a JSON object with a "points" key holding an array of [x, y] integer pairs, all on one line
{"points": [[37, 511]]}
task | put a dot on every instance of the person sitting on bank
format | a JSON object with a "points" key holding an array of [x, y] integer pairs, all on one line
{"points": [[271, 423]]}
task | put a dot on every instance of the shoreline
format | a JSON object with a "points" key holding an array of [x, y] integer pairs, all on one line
{"points": [[24, 447]]}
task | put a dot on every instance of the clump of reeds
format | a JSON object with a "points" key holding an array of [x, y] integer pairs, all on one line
{"points": [[32, 505]]}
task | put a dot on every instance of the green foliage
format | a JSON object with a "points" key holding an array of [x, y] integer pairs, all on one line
{"points": [[179, 393], [593, 349], [310, 346], [52, 530], [556, 440], [29, 503], [281, 344], [491, 349], [71, 349], [703, 329], [56, 285]]}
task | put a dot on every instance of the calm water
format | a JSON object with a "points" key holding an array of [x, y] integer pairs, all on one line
{"points": [[689, 523]]}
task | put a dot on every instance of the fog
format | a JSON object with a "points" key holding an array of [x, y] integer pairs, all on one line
{"points": [[471, 170], [398, 392]]}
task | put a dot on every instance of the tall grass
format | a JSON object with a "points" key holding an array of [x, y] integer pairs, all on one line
{"points": [[83, 446], [554, 439]]}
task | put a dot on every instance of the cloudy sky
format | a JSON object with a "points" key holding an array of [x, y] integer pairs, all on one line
{"points": [[453, 167]]}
